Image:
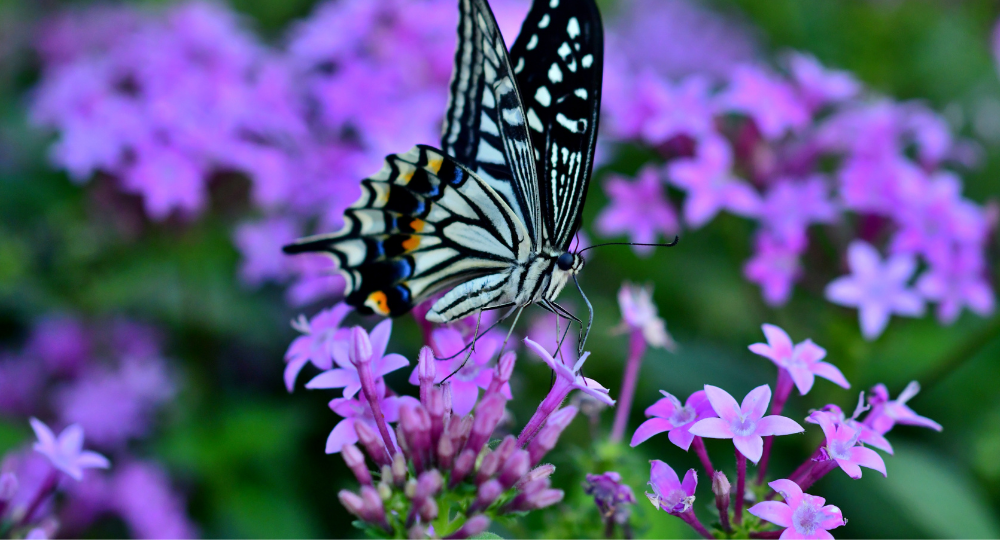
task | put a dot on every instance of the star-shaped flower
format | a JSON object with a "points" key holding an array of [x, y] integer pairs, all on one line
{"points": [[359, 410], [66, 452], [770, 101], [710, 185], [958, 281], [775, 267], [842, 446], [745, 424], [877, 289], [885, 414], [346, 374], [802, 361], [568, 378], [670, 494], [819, 86], [789, 207], [640, 313], [803, 515], [638, 208], [668, 414], [317, 342]]}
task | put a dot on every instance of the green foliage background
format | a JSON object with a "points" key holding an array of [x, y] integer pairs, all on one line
{"points": [[251, 457]]}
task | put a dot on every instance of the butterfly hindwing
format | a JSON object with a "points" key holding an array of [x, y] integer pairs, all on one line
{"points": [[485, 126], [424, 222], [558, 61]]}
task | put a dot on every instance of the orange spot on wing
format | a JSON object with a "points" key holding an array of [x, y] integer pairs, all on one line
{"points": [[411, 243], [434, 164], [378, 303], [418, 225]]}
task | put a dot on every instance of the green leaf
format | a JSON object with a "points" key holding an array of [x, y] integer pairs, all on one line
{"points": [[486, 536]]}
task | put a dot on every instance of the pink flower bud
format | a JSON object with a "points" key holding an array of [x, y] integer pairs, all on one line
{"points": [[435, 409], [372, 443], [514, 469], [373, 509], [360, 351], [474, 526], [414, 437], [506, 448], [399, 470], [541, 472], [445, 452], [503, 372], [549, 435], [352, 502], [446, 392], [487, 416], [429, 511], [426, 366], [8, 487], [489, 465], [356, 462], [545, 498], [459, 428], [463, 466], [429, 484], [487, 493]]}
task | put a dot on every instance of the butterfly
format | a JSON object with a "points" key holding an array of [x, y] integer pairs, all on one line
{"points": [[489, 217]]}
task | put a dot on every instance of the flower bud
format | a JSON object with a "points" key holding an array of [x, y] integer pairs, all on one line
{"points": [[503, 372], [485, 495], [426, 366], [429, 484], [459, 428], [417, 532], [352, 502], [475, 525], [399, 470], [514, 469], [548, 436], [410, 489], [489, 465], [446, 394], [372, 443], [384, 490], [356, 462], [445, 452], [434, 404], [488, 415], [538, 473], [8, 487], [428, 511], [721, 489], [463, 466], [360, 350], [506, 448], [373, 509], [417, 441]]}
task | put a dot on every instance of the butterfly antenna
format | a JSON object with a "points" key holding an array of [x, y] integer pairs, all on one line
{"points": [[469, 344], [671, 244], [584, 332]]}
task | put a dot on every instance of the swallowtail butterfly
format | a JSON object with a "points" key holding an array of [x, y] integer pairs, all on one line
{"points": [[490, 217]]}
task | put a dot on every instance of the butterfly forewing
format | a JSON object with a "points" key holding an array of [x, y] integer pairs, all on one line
{"points": [[558, 62], [423, 223], [485, 126]]}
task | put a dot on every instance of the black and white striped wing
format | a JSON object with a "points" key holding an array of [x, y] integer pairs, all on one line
{"points": [[559, 61], [485, 126], [423, 223]]}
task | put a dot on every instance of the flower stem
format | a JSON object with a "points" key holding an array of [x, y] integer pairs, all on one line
{"points": [[818, 471], [782, 390], [699, 448], [368, 388], [47, 488], [766, 534], [637, 348], [692, 520], [741, 486], [560, 389]]}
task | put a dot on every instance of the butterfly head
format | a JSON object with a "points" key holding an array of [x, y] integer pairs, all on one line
{"points": [[570, 262]]}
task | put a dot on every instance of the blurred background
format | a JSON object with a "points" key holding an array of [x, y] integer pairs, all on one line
{"points": [[154, 156]]}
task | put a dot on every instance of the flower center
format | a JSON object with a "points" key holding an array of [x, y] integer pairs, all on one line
{"points": [[683, 416], [806, 519], [840, 449], [744, 427]]}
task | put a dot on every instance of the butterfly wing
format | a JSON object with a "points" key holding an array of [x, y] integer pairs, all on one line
{"points": [[423, 223], [485, 125], [559, 61]]}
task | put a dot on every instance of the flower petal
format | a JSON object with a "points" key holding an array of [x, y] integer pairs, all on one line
{"points": [[380, 338], [664, 407], [390, 363], [755, 403], [723, 403], [863, 259], [866, 457], [70, 441], [662, 477], [778, 339], [712, 428], [845, 291], [690, 482], [92, 460], [803, 378], [649, 428], [874, 318], [789, 490], [778, 425], [542, 353], [463, 396], [852, 469], [292, 370], [776, 512], [343, 433], [752, 447], [46, 439], [681, 437], [334, 378], [831, 373]]}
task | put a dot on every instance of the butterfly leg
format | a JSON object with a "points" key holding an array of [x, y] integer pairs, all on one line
{"points": [[471, 348]]}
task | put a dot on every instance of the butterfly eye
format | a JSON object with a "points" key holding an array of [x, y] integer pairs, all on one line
{"points": [[565, 261]]}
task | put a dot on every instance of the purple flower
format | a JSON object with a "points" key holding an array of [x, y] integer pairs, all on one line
{"points": [[789, 207], [143, 497], [933, 216], [866, 434], [819, 86], [681, 109], [841, 445], [476, 374], [668, 414], [803, 361], [358, 410], [345, 375], [639, 313], [612, 496], [568, 377], [543, 331], [771, 102], [670, 494], [958, 281], [637, 208], [321, 333], [259, 243], [775, 266], [885, 413], [66, 452], [61, 343], [745, 424], [710, 185], [22, 381], [802, 515], [877, 289]]}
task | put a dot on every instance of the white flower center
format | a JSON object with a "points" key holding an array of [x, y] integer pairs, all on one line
{"points": [[683, 415], [744, 426], [806, 519], [840, 449]]}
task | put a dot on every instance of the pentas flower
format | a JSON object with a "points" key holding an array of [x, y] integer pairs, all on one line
{"points": [[684, 108], [841, 445], [934, 216], [345, 375], [258, 242], [877, 289], [707, 178], [819, 86], [66, 452], [613, 497], [476, 374], [668, 414], [886, 413], [866, 434], [803, 361], [316, 345], [789, 207], [357, 409], [745, 424], [802, 515], [142, 495], [61, 342], [639, 313], [775, 266], [956, 282], [638, 208], [670, 494], [769, 101]]}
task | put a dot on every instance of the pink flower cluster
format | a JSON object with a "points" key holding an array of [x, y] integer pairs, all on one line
{"points": [[713, 413], [756, 143]]}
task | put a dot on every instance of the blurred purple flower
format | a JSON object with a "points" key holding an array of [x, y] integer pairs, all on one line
{"points": [[877, 289], [638, 208], [656, 110], [358, 410], [476, 373], [143, 497], [66, 452], [841, 445], [819, 86], [956, 282], [260, 244], [745, 424], [61, 343], [710, 185], [789, 207], [803, 361], [21, 383], [933, 217], [568, 378], [775, 267], [885, 413], [316, 345], [802, 515], [668, 414], [612, 496], [670, 494], [345, 375], [639, 313], [771, 102]]}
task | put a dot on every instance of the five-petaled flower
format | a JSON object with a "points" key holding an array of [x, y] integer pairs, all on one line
{"points": [[885, 413], [802, 361], [745, 424], [877, 289], [638, 208], [842, 446], [359, 410], [66, 452], [640, 313], [670, 494], [668, 414], [320, 334], [802, 515], [345, 375], [568, 378]]}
